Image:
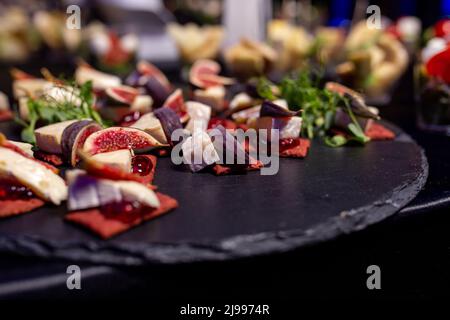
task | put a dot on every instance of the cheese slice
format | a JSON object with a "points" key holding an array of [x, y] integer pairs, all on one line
{"points": [[38, 178], [100, 80], [119, 158], [48, 138], [27, 87], [26, 147], [150, 124]]}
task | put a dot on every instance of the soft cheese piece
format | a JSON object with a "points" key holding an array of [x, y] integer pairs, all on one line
{"points": [[150, 124], [26, 147], [38, 178], [292, 128], [199, 115], [119, 158], [100, 80], [212, 96], [27, 87], [48, 138], [142, 103]]}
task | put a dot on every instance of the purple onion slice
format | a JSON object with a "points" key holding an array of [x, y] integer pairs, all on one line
{"points": [[270, 109], [170, 121]]}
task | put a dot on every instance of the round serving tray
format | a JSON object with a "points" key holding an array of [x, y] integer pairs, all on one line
{"points": [[330, 193]]}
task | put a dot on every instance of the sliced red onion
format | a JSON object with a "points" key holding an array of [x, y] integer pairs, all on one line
{"points": [[270, 109], [170, 121]]}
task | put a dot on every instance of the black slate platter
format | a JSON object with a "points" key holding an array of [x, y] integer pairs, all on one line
{"points": [[331, 192]]}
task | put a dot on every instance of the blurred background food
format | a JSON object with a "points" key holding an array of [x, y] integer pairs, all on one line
{"points": [[248, 38]]}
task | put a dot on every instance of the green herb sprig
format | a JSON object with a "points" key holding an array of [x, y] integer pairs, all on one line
{"points": [[45, 109], [318, 106]]}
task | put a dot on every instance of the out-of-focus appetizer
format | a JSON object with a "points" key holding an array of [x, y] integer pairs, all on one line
{"points": [[248, 58], [433, 81], [375, 60], [196, 42], [18, 38], [293, 44]]}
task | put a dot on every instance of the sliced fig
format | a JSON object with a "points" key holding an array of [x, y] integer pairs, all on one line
{"points": [[169, 122], [155, 89], [270, 109], [176, 102], [122, 94], [148, 69], [118, 138], [74, 137], [205, 73], [152, 80]]}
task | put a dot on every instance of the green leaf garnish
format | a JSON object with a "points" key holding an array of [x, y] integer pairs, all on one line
{"points": [[318, 106], [76, 106]]}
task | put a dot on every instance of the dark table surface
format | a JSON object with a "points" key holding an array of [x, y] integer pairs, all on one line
{"points": [[411, 248]]}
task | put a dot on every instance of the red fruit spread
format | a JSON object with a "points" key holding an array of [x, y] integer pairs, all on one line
{"points": [[288, 143], [11, 190], [16, 199], [142, 165], [129, 119], [108, 222]]}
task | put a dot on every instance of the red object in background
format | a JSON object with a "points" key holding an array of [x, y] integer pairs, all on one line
{"points": [[438, 66], [116, 54], [442, 28], [6, 115], [378, 132], [392, 29]]}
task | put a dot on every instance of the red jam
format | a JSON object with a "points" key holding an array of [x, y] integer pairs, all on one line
{"points": [[124, 211], [288, 143], [142, 165], [130, 118], [14, 191]]}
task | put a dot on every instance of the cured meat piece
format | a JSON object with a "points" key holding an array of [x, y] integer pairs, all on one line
{"points": [[107, 226]]}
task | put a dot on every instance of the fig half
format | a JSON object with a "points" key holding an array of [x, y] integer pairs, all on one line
{"points": [[122, 94], [118, 138]]}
